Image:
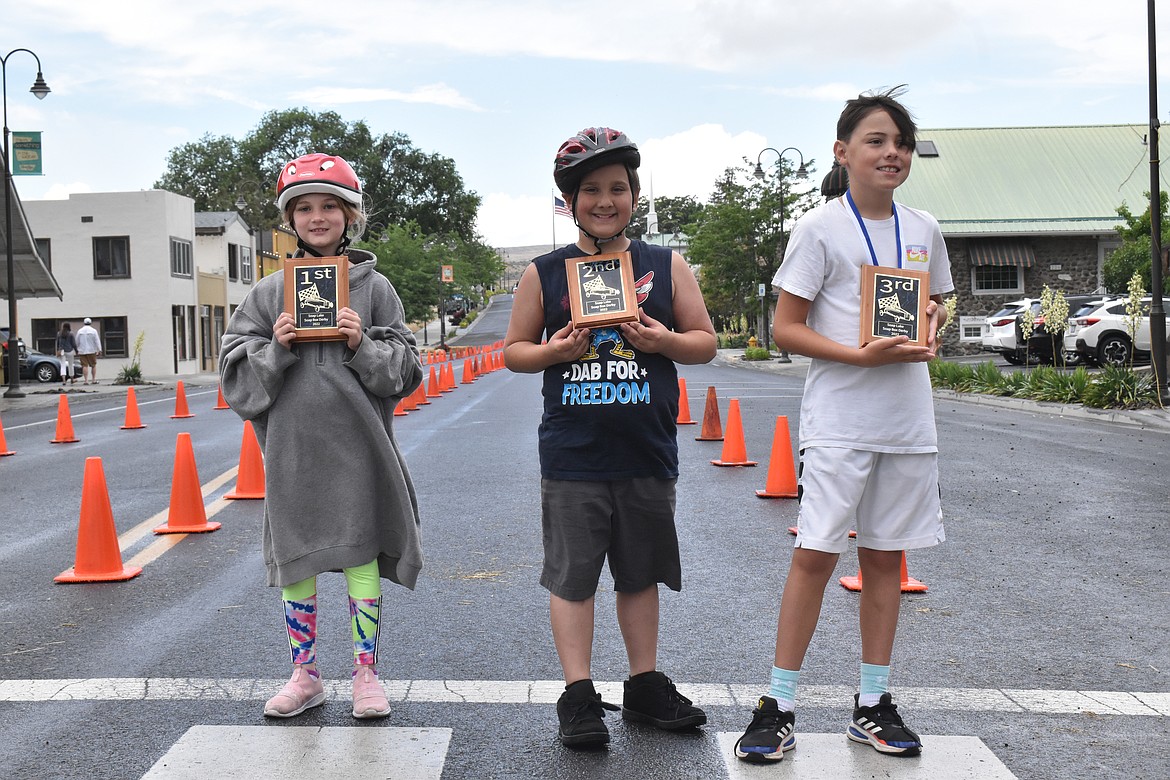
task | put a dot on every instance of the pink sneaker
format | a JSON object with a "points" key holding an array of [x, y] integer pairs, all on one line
{"points": [[300, 693], [369, 700]]}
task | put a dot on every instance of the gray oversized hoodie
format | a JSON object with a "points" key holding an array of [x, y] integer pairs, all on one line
{"points": [[338, 493]]}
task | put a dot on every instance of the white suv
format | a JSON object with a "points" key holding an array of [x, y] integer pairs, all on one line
{"points": [[1102, 336], [998, 331]]}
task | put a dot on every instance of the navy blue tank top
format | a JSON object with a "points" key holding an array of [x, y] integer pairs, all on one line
{"points": [[611, 413]]}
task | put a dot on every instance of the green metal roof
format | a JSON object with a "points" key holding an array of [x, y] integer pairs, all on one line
{"points": [[1031, 180]]}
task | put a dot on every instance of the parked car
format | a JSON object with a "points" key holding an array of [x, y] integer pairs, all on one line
{"points": [[33, 364], [1103, 335], [999, 331], [1041, 345], [39, 366]]}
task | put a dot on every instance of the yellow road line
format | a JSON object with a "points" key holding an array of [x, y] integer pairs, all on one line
{"points": [[166, 541]]}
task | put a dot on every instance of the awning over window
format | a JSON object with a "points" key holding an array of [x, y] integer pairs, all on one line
{"points": [[987, 252]]}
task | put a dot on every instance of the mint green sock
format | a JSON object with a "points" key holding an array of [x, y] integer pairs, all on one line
{"points": [[875, 680], [783, 688]]}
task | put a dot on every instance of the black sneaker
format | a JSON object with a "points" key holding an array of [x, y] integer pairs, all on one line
{"points": [[881, 727], [770, 733], [580, 711], [651, 698]]}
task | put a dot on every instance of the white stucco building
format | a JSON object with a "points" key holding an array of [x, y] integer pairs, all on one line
{"points": [[139, 263]]}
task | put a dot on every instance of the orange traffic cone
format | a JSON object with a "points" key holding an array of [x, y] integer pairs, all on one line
{"points": [[420, 395], [181, 409], [98, 557], [684, 406], [3, 444], [433, 385], [712, 429], [446, 377], [187, 515], [734, 450], [468, 373], [400, 408], [250, 476], [781, 471], [219, 402], [133, 421], [909, 584], [64, 423]]}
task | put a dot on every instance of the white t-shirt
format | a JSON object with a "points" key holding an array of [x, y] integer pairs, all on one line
{"points": [[883, 409]]}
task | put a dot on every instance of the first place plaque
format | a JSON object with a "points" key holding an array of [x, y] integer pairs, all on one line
{"points": [[601, 289], [315, 291], [893, 303]]}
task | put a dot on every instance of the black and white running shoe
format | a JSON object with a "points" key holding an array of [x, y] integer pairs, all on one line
{"points": [[770, 733], [881, 727]]}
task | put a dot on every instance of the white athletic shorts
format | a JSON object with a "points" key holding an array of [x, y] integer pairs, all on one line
{"points": [[891, 500]]}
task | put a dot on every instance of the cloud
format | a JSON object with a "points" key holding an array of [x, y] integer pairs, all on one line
{"points": [[690, 162], [63, 191], [522, 220], [435, 94]]}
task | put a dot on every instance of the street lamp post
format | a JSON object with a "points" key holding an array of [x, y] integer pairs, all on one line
{"points": [[801, 173], [40, 89], [1157, 312]]}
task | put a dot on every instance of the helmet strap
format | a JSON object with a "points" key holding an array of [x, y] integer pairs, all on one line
{"points": [[341, 247], [597, 240]]}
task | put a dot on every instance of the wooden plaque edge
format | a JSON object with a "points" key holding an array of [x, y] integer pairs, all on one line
{"points": [[342, 266], [629, 294], [868, 273]]}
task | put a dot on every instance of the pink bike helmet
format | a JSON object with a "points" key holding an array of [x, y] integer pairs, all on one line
{"points": [[319, 173], [589, 150]]}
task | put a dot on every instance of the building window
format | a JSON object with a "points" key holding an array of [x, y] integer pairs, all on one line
{"points": [[180, 257], [111, 257], [246, 264], [997, 279], [112, 331], [233, 262], [971, 329], [45, 250]]}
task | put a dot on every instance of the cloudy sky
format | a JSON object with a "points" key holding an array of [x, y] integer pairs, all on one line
{"points": [[497, 85]]}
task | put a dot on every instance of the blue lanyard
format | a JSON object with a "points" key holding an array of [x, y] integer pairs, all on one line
{"points": [[864, 232]]}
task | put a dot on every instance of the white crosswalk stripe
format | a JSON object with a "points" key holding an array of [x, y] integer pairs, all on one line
{"points": [[1043, 702]]}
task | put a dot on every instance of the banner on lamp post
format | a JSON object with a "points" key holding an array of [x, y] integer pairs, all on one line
{"points": [[26, 154], [448, 274]]}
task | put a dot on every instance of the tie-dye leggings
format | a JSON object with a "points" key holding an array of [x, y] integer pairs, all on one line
{"points": [[365, 597]]}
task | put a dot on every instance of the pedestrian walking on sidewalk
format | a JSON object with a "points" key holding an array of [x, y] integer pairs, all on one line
{"points": [[608, 470], [869, 450], [67, 350], [338, 496]]}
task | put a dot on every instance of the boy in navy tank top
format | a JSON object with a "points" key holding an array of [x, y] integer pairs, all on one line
{"points": [[608, 451]]}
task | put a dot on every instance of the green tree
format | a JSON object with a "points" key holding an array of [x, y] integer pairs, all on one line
{"points": [[674, 214], [402, 183], [412, 261], [1134, 255], [739, 236]]}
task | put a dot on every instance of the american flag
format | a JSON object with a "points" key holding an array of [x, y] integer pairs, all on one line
{"points": [[559, 207]]}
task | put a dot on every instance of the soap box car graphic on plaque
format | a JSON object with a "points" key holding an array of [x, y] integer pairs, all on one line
{"points": [[893, 303], [315, 290], [601, 289]]}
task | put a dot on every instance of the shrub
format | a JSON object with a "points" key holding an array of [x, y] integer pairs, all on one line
{"points": [[732, 340], [953, 376], [132, 374], [1118, 387], [987, 379], [756, 353]]}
